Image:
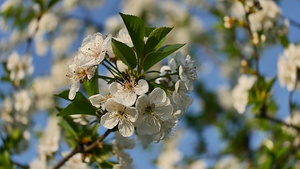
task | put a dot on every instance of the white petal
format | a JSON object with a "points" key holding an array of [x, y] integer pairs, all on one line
{"points": [[121, 66], [142, 102], [182, 74], [132, 114], [164, 112], [126, 98], [158, 96], [109, 120], [142, 87], [149, 126], [97, 100], [112, 106], [113, 88], [74, 88], [179, 58], [126, 128]]}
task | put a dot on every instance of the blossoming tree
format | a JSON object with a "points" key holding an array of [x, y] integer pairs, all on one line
{"points": [[86, 83]]}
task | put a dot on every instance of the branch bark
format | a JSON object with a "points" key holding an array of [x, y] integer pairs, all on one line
{"points": [[83, 150]]}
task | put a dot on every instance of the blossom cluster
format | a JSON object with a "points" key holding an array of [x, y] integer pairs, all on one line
{"points": [[240, 92], [130, 104], [135, 102], [288, 65]]}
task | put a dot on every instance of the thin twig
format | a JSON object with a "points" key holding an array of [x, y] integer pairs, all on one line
{"points": [[81, 150], [278, 121]]}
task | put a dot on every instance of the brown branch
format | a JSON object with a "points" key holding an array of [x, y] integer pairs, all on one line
{"points": [[81, 150], [278, 121]]}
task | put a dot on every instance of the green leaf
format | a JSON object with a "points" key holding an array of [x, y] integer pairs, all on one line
{"points": [[69, 125], [5, 161], [155, 38], [80, 105], [64, 95], [148, 30], [270, 84], [91, 86], [154, 57], [284, 41], [136, 30], [124, 53]]}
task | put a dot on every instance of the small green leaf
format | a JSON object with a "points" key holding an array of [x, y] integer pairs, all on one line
{"points": [[91, 86], [124, 53], [80, 105], [136, 30], [154, 57], [155, 38]]}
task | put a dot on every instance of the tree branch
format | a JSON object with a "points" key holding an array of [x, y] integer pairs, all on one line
{"points": [[81, 150], [278, 121]]}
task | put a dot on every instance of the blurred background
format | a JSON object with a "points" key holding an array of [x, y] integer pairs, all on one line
{"points": [[212, 134]]}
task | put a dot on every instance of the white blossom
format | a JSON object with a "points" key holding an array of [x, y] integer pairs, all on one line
{"points": [[19, 66], [228, 162], [225, 97], [292, 53], [6, 110], [125, 37], [49, 142], [198, 164], [77, 73], [23, 101], [126, 92], [180, 97], [186, 69], [122, 67], [98, 100], [75, 162], [264, 19], [240, 92], [47, 23], [119, 145], [43, 89], [153, 111], [9, 4], [61, 44], [94, 48], [120, 115], [287, 73], [38, 163], [82, 118], [41, 45], [170, 156], [58, 72]]}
